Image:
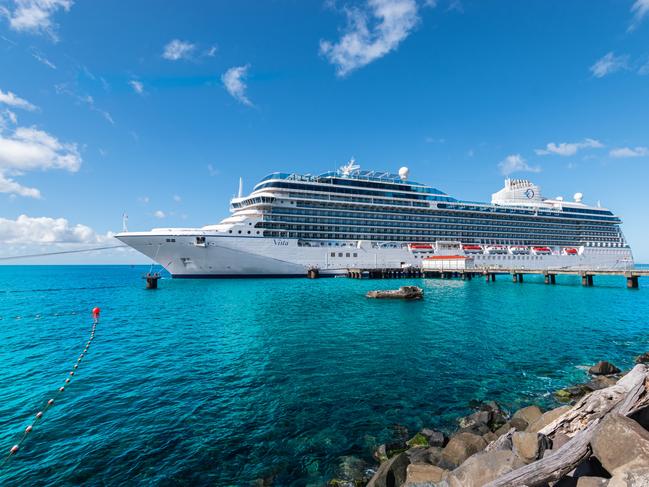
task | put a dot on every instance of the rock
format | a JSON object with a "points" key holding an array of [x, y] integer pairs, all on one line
{"points": [[418, 474], [601, 382], [489, 437], [642, 359], [634, 474], [419, 440], [529, 447], [481, 417], [547, 418], [459, 448], [381, 453], [559, 440], [528, 414], [482, 468], [424, 456], [404, 292], [618, 441], [503, 429], [519, 424], [434, 437], [603, 368], [391, 473], [352, 471], [572, 393], [591, 482]]}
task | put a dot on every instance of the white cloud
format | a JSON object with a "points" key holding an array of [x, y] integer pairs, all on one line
{"points": [[30, 149], [177, 198], [639, 9], [12, 100], [233, 80], [88, 100], [159, 214], [515, 163], [137, 86], [144, 199], [610, 63], [569, 148], [212, 170], [372, 31], [7, 115], [35, 15], [36, 54], [177, 49], [26, 230], [623, 152]]}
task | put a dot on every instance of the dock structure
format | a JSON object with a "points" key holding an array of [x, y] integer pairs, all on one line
{"points": [[489, 274]]}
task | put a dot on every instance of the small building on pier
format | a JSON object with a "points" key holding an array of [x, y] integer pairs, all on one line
{"points": [[447, 263]]}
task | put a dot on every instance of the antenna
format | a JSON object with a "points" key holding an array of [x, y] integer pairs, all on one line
{"points": [[240, 194], [350, 167], [124, 222]]}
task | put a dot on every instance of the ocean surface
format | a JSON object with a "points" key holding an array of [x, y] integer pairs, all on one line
{"points": [[225, 382]]}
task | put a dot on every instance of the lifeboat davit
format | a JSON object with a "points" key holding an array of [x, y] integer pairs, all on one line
{"points": [[542, 250]]}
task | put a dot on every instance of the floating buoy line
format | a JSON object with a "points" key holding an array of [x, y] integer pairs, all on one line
{"points": [[50, 402]]}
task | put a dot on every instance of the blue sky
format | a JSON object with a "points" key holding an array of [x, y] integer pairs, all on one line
{"points": [[156, 108]]}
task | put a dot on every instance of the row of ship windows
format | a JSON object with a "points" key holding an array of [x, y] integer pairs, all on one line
{"points": [[482, 239], [424, 223], [461, 211], [347, 254], [441, 231], [375, 201]]}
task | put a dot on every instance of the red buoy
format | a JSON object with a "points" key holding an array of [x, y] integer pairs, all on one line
{"points": [[13, 450], [28, 429], [67, 381], [50, 402], [61, 389], [96, 310], [39, 415]]}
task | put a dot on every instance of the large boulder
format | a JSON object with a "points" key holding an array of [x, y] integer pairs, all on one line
{"points": [[404, 292], [528, 414], [459, 448], [634, 474], [424, 456], [423, 474], [529, 447], [592, 482], [603, 368], [482, 468], [434, 437], [618, 441], [391, 473], [547, 418]]}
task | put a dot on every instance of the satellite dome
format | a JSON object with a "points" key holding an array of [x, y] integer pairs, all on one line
{"points": [[404, 172], [578, 197]]}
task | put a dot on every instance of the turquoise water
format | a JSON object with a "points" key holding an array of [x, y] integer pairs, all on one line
{"points": [[222, 382]]}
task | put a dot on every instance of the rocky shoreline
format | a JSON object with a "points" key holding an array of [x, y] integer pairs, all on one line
{"points": [[599, 437]]}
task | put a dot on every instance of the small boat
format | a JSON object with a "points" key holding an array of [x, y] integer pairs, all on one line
{"points": [[542, 250], [472, 249], [496, 249], [519, 250], [420, 246]]}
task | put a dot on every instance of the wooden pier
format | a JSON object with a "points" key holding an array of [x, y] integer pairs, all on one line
{"points": [[549, 275], [489, 274]]}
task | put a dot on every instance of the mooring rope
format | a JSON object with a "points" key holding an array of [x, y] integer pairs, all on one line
{"points": [[60, 252], [39, 415]]}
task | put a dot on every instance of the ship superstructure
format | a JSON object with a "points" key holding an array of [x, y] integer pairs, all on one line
{"points": [[353, 218]]}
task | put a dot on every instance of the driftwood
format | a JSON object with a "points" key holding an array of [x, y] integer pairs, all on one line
{"points": [[628, 396]]}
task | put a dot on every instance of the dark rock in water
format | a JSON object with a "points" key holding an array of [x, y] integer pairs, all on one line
{"points": [[381, 453], [603, 368], [642, 359], [352, 471], [404, 292], [601, 382], [391, 473], [572, 393], [434, 437]]}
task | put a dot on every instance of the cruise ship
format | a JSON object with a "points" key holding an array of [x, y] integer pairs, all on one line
{"points": [[293, 224]]}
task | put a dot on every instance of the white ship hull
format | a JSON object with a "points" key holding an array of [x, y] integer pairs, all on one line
{"points": [[232, 256]]}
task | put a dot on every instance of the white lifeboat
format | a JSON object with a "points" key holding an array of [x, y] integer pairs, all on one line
{"points": [[496, 249], [519, 250]]}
